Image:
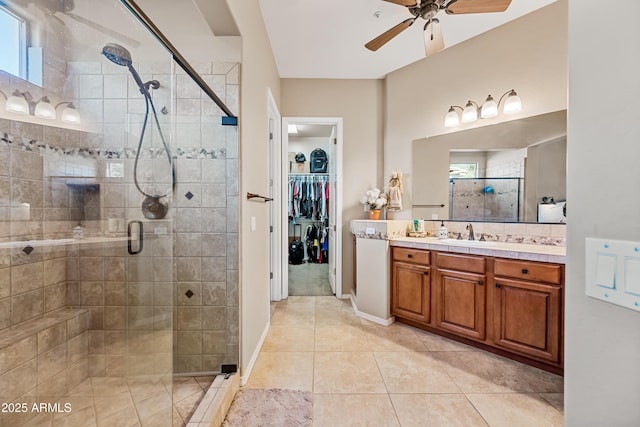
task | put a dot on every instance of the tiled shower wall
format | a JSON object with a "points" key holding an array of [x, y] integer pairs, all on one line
{"points": [[131, 299], [205, 248]]}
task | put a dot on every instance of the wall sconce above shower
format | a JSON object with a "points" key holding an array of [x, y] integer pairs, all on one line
{"points": [[23, 103]]}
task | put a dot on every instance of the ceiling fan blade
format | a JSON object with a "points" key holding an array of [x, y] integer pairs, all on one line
{"points": [[459, 7], [407, 3], [383, 38], [433, 41], [104, 30]]}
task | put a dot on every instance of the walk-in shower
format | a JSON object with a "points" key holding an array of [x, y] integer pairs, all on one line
{"points": [[125, 336], [153, 206]]}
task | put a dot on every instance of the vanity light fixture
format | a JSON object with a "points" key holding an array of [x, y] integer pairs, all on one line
{"points": [[69, 114], [489, 109]]}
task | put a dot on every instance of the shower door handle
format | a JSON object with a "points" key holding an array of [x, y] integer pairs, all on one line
{"points": [[140, 237]]}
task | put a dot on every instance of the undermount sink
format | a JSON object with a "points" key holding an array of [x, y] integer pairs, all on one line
{"points": [[466, 242]]}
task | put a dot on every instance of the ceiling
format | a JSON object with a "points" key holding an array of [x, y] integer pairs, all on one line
{"points": [[325, 39], [312, 131]]}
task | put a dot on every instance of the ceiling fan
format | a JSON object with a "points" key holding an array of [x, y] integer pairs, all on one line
{"points": [[427, 10]]}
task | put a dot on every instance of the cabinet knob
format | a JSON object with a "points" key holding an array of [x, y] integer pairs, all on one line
{"points": [[525, 271], [426, 273], [409, 256], [480, 282], [497, 285]]}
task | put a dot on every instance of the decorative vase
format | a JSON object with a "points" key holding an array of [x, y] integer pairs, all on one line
{"points": [[374, 214]]}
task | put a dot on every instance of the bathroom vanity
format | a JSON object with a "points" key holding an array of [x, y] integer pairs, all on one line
{"points": [[506, 298], [509, 306]]}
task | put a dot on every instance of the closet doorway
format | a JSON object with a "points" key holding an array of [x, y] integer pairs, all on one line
{"points": [[311, 206]]}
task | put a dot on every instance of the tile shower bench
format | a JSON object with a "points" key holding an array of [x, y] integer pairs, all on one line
{"points": [[42, 359]]}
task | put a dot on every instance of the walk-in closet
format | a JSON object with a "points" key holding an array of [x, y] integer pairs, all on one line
{"points": [[309, 200]]}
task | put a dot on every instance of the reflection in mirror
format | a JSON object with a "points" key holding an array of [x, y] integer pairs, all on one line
{"points": [[509, 172]]}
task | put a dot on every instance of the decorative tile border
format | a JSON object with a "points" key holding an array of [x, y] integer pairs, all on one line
{"points": [[109, 153]]}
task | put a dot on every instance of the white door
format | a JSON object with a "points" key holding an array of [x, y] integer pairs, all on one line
{"points": [[275, 244], [332, 211]]}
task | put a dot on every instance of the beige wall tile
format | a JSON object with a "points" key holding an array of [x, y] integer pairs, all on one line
{"points": [[27, 306], [18, 381], [52, 362], [78, 347], [17, 354], [52, 337], [27, 277]]}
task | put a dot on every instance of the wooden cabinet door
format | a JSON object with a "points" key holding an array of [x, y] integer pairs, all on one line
{"points": [[527, 318], [461, 303], [411, 292]]}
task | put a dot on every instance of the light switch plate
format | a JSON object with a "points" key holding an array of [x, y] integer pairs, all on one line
{"points": [[613, 271]]}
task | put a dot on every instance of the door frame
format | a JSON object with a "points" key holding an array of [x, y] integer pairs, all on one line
{"points": [[275, 185], [337, 197]]}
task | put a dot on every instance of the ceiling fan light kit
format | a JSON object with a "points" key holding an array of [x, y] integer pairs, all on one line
{"points": [[490, 108], [427, 10]]}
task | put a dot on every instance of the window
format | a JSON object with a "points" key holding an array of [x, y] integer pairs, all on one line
{"points": [[13, 43], [463, 170]]}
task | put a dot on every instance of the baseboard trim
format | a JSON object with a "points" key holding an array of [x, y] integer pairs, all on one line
{"points": [[369, 317], [254, 357]]}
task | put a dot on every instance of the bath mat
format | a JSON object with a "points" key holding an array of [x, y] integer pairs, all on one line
{"points": [[270, 407]]}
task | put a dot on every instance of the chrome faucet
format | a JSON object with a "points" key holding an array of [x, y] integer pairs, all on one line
{"points": [[470, 228]]}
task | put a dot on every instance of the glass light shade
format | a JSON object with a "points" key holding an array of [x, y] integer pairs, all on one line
{"points": [[451, 119], [17, 103], [45, 110], [70, 115], [470, 113], [489, 108], [512, 104]]}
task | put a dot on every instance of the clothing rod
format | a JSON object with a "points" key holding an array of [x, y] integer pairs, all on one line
{"points": [[441, 205]]}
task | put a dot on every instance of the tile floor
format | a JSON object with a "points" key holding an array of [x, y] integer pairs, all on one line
{"points": [[365, 374], [128, 402]]}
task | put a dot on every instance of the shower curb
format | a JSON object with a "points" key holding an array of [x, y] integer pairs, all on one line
{"points": [[213, 408]]}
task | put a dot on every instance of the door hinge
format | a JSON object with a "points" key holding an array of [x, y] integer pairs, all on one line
{"points": [[270, 275], [271, 229], [334, 271], [334, 228], [335, 141], [271, 136]]}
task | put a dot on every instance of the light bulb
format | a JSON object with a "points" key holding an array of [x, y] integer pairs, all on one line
{"points": [[17, 103], [70, 115], [45, 110], [451, 119], [512, 104], [489, 108], [470, 113]]}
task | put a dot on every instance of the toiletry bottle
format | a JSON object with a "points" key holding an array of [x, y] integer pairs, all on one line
{"points": [[442, 231]]}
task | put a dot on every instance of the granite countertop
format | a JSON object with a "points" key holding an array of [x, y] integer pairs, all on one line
{"points": [[545, 253]]}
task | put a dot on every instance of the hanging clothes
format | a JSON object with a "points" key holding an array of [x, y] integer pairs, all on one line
{"points": [[308, 197]]}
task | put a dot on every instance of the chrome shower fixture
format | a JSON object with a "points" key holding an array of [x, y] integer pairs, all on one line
{"points": [[119, 55], [154, 206]]}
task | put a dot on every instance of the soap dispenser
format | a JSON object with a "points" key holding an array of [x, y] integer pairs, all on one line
{"points": [[442, 231]]}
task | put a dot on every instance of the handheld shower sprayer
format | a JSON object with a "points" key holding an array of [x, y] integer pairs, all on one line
{"points": [[119, 55], [153, 206]]}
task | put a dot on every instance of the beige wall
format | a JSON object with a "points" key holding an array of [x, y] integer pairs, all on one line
{"points": [[359, 103], [602, 341], [528, 55], [258, 73]]}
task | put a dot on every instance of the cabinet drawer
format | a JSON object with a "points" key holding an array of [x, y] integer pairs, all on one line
{"points": [[411, 255], [529, 270], [469, 263]]}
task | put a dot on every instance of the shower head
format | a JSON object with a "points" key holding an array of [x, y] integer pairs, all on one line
{"points": [[117, 54]]}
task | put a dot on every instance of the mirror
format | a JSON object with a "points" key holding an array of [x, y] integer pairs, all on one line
{"points": [[524, 161]]}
